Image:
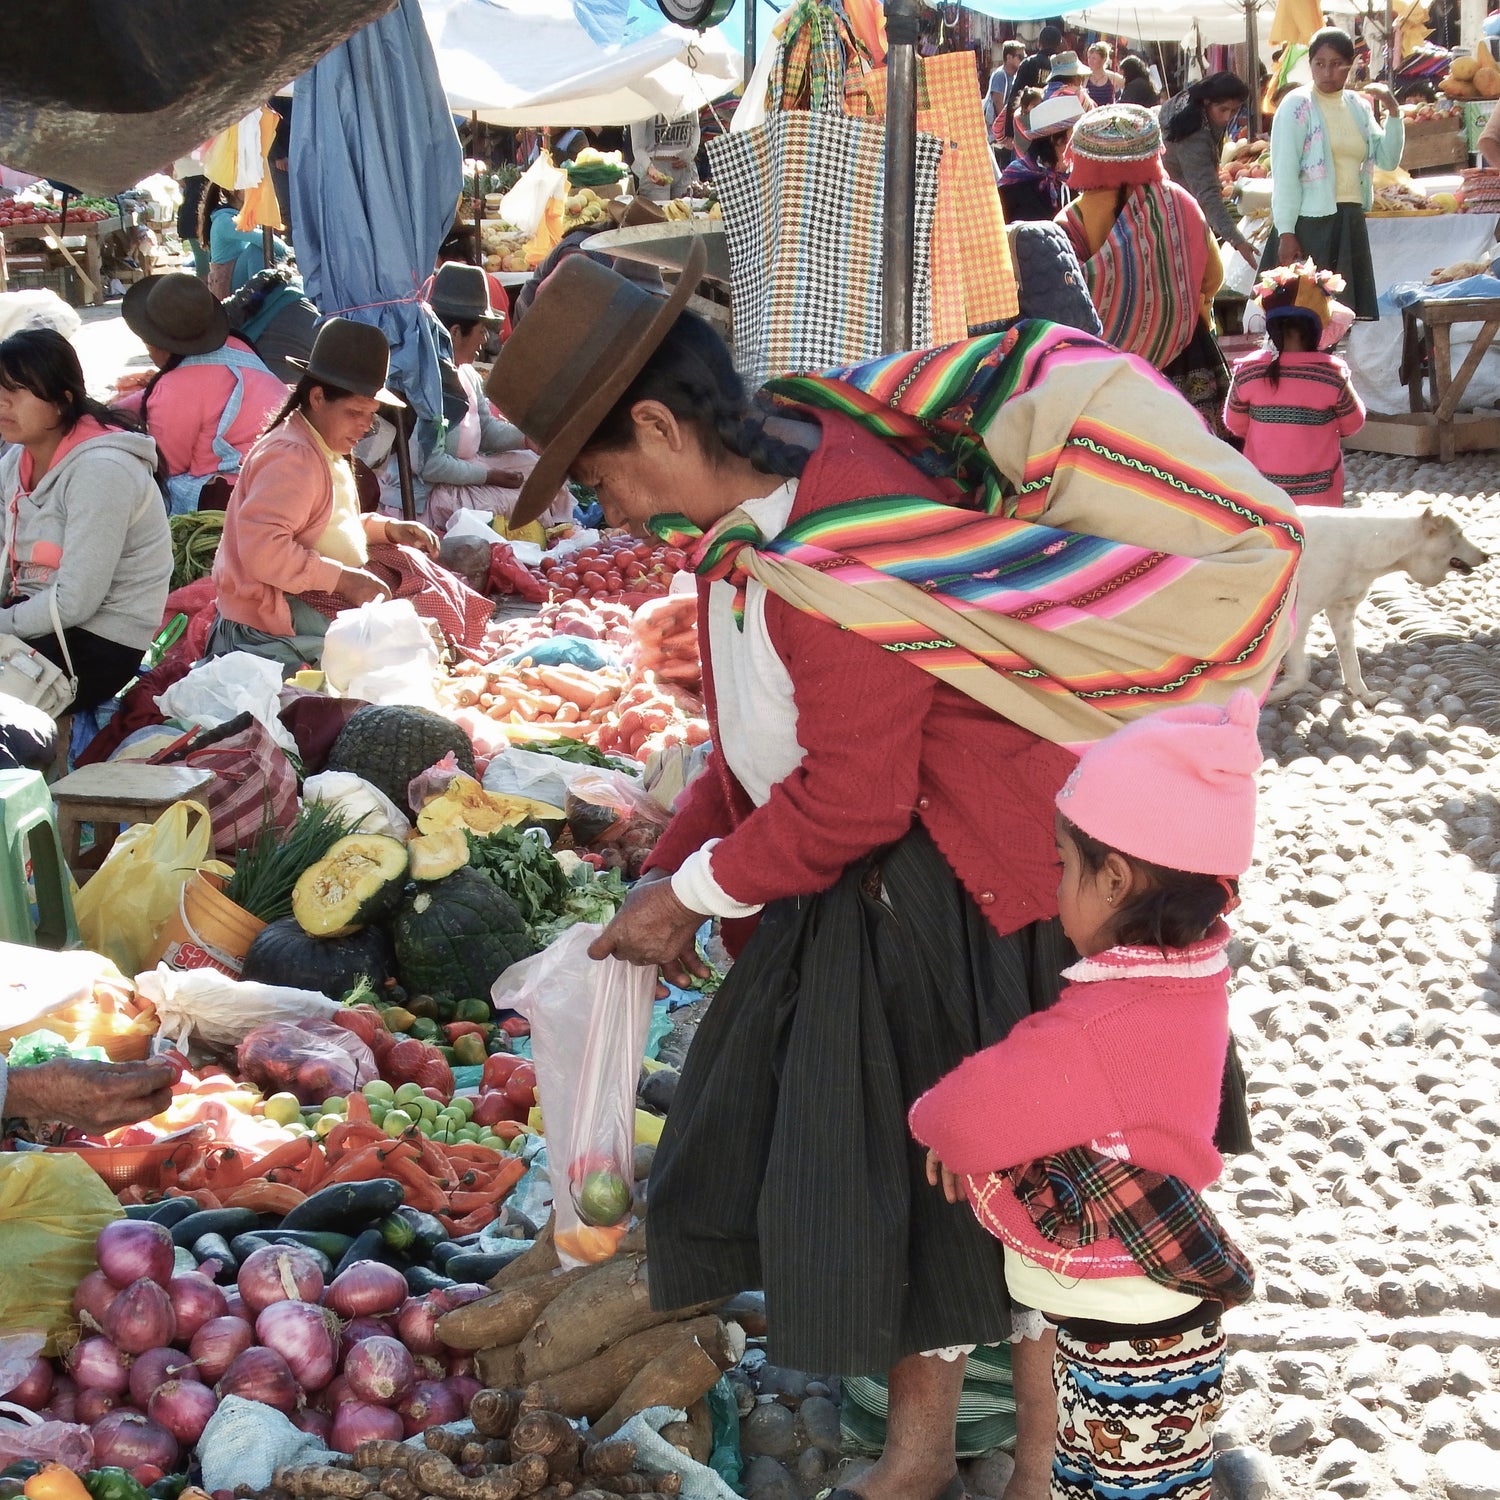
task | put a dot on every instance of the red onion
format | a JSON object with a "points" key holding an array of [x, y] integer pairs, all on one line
{"points": [[464, 1292], [154, 1368], [334, 1395], [365, 1289], [64, 1403], [141, 1317], [146, 1475], [34, 1389], [91, 1299], [262, 1375], [359, 1422], [183, 1407], [429, 1403], [379, 1370], [195, 1299], [319, 1423], [90, 1405], [218, 1344], [125, 1439], [417, 1324], [465, 1387], [97, 1365], [279, 1273], [130, 1249], [362, 1328], [460, 1363], [428, 1368], [236, 1307], [300, 1334]]}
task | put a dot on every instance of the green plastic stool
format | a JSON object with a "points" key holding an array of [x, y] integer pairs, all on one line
{"points": [[28, 834]]}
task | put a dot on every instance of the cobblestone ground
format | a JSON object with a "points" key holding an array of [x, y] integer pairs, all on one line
{"points": [[1367, 1008]]}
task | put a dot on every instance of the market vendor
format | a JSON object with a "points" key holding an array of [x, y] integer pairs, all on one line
{"points": [[885, 814], [234, 255], [1033, 181], [663, 154], [1193, 125], [91, 1096], [211, 396], [294, 526], [1326, 142]]}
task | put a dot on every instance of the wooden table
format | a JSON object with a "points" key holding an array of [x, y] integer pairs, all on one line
{"points": [[1427, 359], [112, 793], [90, 270]]}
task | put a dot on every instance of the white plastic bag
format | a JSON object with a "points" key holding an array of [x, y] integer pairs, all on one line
{"points": [[588, 1033], [524, 773], [382, 652], [223, 687], [354, 798], [524, 205], [220, 1010]]}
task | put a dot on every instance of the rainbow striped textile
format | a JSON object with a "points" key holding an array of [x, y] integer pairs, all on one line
{"points": [[1102, 573]]}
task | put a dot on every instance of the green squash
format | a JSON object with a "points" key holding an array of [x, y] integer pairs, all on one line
{"points": [[357, 882], [457, 935], [390, 744], [284, 954]]}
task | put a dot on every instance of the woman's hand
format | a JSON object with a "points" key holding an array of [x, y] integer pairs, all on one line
{"points": [[1381, 99], [92, 1096], [360, 587], [1288, 251], [1249, 256], [501, 469], [955, 1188], [654, 927], [412, 534]]}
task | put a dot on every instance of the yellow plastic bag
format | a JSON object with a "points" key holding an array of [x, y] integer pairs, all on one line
{"points": [[123, 908], [51, 1211], [78, 994]]}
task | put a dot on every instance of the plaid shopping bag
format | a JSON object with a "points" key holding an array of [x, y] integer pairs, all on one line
{"points": [[802, 197], [254, 784]]}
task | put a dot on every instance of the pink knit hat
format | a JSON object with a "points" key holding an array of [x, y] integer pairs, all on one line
{"points": [[1176, 788]]}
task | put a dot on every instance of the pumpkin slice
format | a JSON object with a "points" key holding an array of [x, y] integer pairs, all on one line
{"points": [[466, 804], [357, 882], [434, 855]]}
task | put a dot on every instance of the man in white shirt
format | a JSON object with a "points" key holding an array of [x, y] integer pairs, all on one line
{"points": [[1002, 80]]}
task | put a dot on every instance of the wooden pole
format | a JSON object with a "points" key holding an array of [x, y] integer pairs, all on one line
{"points": [[898, 237], [478, 196], [1252, 69]]}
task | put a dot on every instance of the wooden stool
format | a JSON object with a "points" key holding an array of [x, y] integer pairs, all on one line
{"points": [[112, 793]]}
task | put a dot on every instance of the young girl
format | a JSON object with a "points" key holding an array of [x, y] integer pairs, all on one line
{"points": [[1294, 403], [1083, 1139]]}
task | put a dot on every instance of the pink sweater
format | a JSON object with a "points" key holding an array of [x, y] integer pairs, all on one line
{"points": [[1294, 429], [1128, 1061], [186, 407]]}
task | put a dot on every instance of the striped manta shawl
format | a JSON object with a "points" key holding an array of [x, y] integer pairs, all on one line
{"points": [[1146, 278], [1120, 558]]}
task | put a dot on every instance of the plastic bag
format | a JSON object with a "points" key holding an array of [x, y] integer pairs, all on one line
{"points": [[381, 652], [217, 690], [51, 1211], [26, 1437], [523, 205], [588, 1034], [312, 1059], [434, 781], [609, 813], [525, 773], [78, 994], [223, 1011], [123, 909], [370, 810]]}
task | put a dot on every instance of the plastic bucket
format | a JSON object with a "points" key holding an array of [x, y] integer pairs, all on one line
{"points": [[208, 930]]}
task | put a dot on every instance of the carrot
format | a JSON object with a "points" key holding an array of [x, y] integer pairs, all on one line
{"points": [[265, 1197], [578, 691]]}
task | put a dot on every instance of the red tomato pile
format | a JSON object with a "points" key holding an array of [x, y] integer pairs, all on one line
{"points": [[17, 212], [613, 567]]}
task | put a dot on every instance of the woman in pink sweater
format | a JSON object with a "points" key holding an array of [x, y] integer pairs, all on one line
{"points": [[1083, 1139]]}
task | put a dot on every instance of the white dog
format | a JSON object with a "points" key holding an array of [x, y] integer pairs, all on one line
{"points": [[1346, 551], [22, 310]]}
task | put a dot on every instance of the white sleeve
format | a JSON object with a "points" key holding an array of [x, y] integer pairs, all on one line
{"points": [[694, 885]]}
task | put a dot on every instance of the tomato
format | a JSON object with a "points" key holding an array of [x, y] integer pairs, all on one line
{"points": [[497, 1068], [516, 1026], [491, 1108], [592, 580], [520, 1087], [613, 582], [675, 557]]}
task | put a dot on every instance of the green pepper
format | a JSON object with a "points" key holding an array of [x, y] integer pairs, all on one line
{"points": [[12, 1489], [168, 1488], [113, 1484], [22, 1469]]}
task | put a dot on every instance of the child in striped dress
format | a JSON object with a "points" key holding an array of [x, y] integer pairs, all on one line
{"points": [[1294, 403]]}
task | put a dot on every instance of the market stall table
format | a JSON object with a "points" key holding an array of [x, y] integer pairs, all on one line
{"points": [[91, 270], [1428, 357]]}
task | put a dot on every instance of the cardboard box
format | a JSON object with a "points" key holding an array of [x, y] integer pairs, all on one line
{"points": [[1445, 148]]}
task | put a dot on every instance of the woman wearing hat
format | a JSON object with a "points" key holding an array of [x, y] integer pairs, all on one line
{"points": [[889, 826], [1151, 264], [1067, 77], [211, 396], [468, 459], [293, 525], [1032, 183]]}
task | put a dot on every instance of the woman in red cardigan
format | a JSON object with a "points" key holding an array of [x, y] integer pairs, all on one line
{"points": [[879, 846]]}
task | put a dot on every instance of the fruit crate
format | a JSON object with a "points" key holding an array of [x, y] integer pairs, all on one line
{"points": [[60, 280], [1435, 143]]}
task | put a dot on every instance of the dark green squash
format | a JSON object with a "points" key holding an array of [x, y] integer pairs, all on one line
{"points": [[284, 954], [389, 744], [457, 935], [356, 883]]}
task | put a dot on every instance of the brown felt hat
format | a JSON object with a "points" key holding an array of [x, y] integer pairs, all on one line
{"points": [[585, 338], [355, 357], [461, 294], [177, 313], [628, 213]]}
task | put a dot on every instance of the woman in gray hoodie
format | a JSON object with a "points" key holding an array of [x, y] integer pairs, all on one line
{"points": [[84, 522]]}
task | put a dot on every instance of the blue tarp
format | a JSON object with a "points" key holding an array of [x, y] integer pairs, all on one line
{"points": [[376, 172]]}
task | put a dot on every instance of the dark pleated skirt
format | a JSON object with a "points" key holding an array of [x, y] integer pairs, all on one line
{"points": [[786, 1164], [1340, 242]]}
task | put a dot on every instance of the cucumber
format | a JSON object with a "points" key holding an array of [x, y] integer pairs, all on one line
{"points": [[171, 1211], [440, 1255], [245, 1245], [479, 1265], [227, 1222], [141, 1210], [370, 1245], [347, 1206], [419, 1280], [213, 1247], [412, 1232], [326, 1243]]}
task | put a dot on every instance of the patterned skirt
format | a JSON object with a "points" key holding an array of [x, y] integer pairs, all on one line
{"points": [[1135, 1416]]}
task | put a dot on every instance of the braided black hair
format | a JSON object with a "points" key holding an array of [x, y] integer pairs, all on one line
{"points": [[693, 376], [171, 364]]}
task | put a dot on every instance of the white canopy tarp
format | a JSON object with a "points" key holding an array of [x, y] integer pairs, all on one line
{"points": [[1218, 21], [530, 63]]}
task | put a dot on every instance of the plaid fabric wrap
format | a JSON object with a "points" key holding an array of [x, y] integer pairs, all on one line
{"points": [[821, 65], [801, 197], [1075, 1197], [435, 593]]}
